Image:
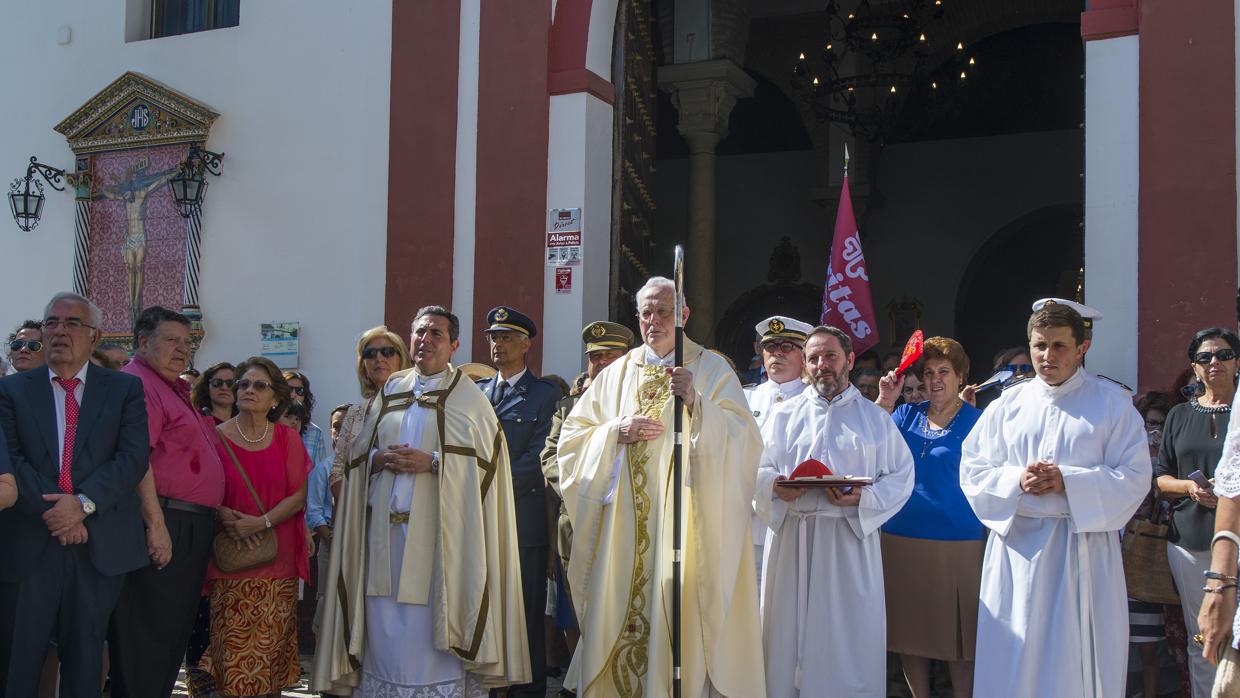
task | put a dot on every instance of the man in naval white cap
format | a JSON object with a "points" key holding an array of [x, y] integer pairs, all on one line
{"points": [[782, 342], [1088, 317], [1055, 468]]}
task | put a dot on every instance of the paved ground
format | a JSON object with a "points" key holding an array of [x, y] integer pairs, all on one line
{"points": [[302, 690]]}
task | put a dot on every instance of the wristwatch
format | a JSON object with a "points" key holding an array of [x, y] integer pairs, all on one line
{"points": [[88, 507], [435, 462]]}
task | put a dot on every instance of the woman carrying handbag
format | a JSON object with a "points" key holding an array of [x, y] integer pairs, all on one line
{"points": [[260, 550]]}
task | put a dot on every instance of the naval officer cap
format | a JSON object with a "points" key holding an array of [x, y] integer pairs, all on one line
{"points": [[1088, 314], [606, 336], [780, 327], [505, 319]]}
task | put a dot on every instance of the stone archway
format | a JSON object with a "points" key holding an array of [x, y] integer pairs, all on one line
{"points": [[986, 321]]}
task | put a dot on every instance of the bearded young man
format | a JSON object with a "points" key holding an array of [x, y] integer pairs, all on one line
{"points": [[824, 543], [424, 575], [1054, 468], [615, 456]]}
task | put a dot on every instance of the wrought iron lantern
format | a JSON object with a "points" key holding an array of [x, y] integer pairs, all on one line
{"points": [[189, 185], [26, 193]]}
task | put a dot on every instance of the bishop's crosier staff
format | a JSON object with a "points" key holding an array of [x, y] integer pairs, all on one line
{"points": [[677, 449]]}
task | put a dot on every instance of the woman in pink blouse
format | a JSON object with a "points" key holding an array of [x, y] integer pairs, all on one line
{"points": [[253, 650]]}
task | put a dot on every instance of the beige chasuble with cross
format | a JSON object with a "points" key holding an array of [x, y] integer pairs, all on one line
{"points": [[464, 515]]}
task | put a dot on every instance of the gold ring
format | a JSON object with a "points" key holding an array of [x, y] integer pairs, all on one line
{"points": [[1201, 641]]}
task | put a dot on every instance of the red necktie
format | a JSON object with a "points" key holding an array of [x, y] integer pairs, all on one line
{"points": [[65, 481]]}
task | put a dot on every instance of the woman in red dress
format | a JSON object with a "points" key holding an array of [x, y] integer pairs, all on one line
{"points": [[253, 650]]}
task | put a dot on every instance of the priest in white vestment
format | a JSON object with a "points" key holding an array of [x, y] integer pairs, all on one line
{"points": [[824, 624], [615, 458], [424, 578], [782, 344], [1055, 468]]}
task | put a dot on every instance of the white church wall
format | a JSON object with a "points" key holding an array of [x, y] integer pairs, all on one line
{"points": [[294, 230]]}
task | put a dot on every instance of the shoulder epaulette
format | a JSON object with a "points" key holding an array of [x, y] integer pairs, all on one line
{"points": [[1017, 381], [1114, 382]]}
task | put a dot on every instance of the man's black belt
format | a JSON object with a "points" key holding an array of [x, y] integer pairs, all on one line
{"points": [[170, 503]]}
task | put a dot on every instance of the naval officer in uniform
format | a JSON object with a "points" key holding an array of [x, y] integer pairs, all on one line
{"points": [[524, 404]]}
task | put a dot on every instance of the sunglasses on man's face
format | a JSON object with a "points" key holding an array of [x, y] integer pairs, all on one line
{"points": [[1019, 369], [218, 383], [1205, 357], [31, 345], [246, 384], [374, 352], [298, 390]]}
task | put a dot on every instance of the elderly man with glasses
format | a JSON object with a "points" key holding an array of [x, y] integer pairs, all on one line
{"points": [[179, 495], [782, 342], [77, 440]]}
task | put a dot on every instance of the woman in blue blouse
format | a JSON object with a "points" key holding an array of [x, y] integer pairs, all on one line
{"points": [[933, 548]]}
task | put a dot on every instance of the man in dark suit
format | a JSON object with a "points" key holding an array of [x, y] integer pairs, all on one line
{"points": [[77, 438], [524, 404]]}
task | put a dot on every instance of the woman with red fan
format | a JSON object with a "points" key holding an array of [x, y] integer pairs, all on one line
{"points": [[933, 548]]}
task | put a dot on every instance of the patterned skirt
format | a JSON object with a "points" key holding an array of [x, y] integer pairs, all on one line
{"points": [[253, 648]]}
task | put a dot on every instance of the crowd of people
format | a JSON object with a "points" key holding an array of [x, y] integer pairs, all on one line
{"points": [[475, 527]]}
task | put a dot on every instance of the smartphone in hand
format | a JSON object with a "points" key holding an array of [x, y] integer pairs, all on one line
{"points": [[1202, 481]]}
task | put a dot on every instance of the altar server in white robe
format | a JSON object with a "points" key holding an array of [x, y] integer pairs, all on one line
{"points": [[824, 628], [1055, 468], [782, 341]]}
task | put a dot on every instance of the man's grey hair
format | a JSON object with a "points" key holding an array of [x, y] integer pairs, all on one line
{"points": [[845, 340], [653, 285], [94, 314]]}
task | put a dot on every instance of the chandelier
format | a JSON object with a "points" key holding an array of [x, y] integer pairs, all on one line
{"points": [[872, 59]]}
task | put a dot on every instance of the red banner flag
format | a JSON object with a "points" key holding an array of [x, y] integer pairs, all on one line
{"points": [[846, 301]]}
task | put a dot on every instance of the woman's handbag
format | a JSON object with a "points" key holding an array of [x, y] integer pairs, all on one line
{"points": [[235, 556], [1146, 570]]}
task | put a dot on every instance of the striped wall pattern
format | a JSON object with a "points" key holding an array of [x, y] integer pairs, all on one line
{"points": [[193, 244], [81, 248]]}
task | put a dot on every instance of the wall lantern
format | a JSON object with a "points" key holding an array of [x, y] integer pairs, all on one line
{"points": [[26, 193], [189, 186]]}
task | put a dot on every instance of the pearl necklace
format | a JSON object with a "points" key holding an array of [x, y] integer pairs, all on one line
{"points": [[259, 440]]}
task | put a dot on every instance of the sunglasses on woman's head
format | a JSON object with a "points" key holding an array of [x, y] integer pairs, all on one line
{"points": [[1205, 357], [32, 345], [246, 384], [374, 352], [221, 383]]}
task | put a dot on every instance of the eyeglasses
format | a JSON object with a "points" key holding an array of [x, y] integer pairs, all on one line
{"points": [[246, 384], [782, 347], [1019, 369], [374, 352], [73, 324], [1205, 357], [31, 345], [299, 390], [218, 383]]}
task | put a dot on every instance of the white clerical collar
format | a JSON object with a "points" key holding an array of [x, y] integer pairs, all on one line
{"points": [[1072, 383], [845, 395], [512, 380], [423, 383], [656, 360]]}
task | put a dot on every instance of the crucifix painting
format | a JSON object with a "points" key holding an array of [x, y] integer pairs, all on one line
{"points": [[137, 237]]}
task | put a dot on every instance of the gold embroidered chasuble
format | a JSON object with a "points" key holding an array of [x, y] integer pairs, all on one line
{"points": [[622, 583], [464, 515]]}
